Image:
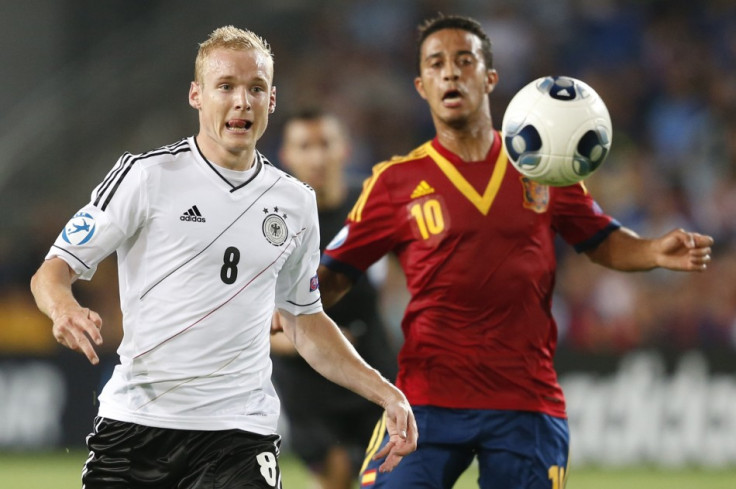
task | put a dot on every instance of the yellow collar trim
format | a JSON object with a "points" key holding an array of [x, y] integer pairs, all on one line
{"points": [[482, 202]]}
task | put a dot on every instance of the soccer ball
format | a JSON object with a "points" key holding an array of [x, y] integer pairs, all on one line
{"points": [[557, 131]]}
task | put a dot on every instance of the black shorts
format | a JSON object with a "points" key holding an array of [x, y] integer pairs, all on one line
{"points": [[313, 434], [128, 455]]}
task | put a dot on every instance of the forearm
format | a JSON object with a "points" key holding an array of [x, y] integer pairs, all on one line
{"points": [[320, 342], [51, 287], [624, 250]]}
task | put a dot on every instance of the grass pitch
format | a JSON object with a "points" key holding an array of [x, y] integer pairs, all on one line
{"points": [[61, 470]]}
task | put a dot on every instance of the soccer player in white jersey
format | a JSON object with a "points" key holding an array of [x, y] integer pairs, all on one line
{"points": [[210, 238]]}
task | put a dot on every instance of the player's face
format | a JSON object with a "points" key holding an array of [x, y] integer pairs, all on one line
{"points": [[314, 151], [453, 77], [234, 99]]}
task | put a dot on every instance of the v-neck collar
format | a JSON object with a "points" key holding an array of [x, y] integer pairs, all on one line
{"points": [[258, 163], [481, 202]]}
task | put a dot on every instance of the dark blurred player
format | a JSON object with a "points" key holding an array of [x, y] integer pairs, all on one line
{"points": [[330, 426]]}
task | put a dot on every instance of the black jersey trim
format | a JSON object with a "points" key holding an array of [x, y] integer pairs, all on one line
{"points": [[352, 272], [173, 270], [112, 176], [593, 242], [304, 305], [72, 255], [117, 175], [259, 167], [259, 161], [122, 162]]}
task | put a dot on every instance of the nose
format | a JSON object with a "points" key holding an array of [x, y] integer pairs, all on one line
{"points": [[451, 71], [241, 100]]}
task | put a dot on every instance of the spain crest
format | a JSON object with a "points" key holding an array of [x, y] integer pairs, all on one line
{"points": [[536, 195]]}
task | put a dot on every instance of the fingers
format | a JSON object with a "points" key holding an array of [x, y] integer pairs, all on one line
{"points": [[392, 455], [690, 239], [702, 241], [402, 439], [700, 251], [78, 331]]}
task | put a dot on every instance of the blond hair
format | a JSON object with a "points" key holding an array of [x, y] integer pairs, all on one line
{"points": [[228, 37]]}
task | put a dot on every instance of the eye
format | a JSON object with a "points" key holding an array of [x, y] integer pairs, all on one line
{"points": [[225, 86]]}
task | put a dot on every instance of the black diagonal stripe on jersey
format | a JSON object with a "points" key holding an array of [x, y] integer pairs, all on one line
{"points": [[144, 156], [196, 211], [213, 240], [72, 255]]}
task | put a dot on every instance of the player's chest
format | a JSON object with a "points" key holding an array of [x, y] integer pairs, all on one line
{"points": [[435, 207], [258, 224]]}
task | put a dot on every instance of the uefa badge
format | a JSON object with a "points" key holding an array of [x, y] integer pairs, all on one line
{"points": [[274, 227], [80, 229]]}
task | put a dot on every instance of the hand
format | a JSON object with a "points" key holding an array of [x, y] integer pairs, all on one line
{"points": [[682, 250], [76, 329], [402, 430]]}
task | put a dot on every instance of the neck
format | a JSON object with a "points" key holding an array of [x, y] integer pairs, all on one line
{"points": [[239, 160], [470, 139], [331, 196]]}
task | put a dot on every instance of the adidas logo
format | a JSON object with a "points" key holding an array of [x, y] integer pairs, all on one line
{"points": [[422, 189], [192, 214]]}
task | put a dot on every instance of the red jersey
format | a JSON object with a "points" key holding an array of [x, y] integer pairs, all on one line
{"points": [[476, 243]]}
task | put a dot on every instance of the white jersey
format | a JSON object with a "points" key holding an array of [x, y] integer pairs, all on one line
{"points": [[202, 261]]}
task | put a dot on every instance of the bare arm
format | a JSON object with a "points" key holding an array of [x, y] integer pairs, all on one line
{"points": [[74, 326], [679, 250], [320, 342]]}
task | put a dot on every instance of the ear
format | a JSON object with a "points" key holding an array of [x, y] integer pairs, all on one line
{"points": [[272, 101], [491, 80], [420, 87], [194, 96]]}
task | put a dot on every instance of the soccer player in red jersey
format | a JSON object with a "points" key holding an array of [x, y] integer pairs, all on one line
{"points": [[476, 242]]}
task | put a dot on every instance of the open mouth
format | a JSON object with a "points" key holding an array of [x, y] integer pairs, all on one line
{"points": [[238, 125], [452, 97]]}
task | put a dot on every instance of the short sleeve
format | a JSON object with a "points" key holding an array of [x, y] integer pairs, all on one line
{"points": [[115, 212], [579, 219], [369, 232], [297, 285]]}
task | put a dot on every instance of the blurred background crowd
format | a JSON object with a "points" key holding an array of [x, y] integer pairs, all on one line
{"points": [[83, 81]]}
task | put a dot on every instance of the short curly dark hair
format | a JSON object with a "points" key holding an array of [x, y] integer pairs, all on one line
{"points": [[442, 21]]}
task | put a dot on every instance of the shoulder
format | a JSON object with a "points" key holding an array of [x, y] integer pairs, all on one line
{"points": [[397, 171], [290, 182], [171, 152], [411, 161]]}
